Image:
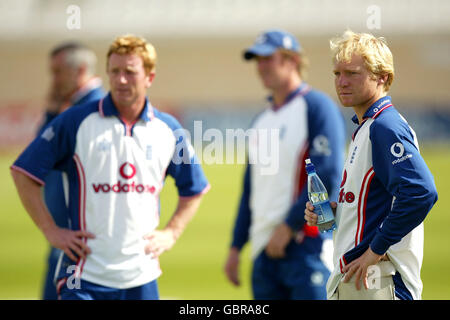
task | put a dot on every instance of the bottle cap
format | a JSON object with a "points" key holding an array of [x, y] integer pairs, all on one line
{"points": [[309, 166]]}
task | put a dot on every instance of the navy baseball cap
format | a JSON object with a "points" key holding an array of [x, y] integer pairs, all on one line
{"points": [[270, 41]]}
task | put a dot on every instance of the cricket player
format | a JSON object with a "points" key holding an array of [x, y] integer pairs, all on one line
{"points": [[386, 190], [73, 82], [116, 153], [289, 258]]}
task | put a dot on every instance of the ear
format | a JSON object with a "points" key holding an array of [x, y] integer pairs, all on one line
{"points": [[149, 79], [82, 70], [382, 79]]}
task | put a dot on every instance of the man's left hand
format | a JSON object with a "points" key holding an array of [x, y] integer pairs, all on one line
{"points": [[358, 267], [159, 241]]}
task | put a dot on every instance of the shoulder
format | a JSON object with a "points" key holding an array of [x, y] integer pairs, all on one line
{"points": [[81, 111], [322, 109], [97, 93], [317, 98], [319, 104], [71, 118], [389, 122], [93, 95], [390, 128], [260, 116], [167, 119]]}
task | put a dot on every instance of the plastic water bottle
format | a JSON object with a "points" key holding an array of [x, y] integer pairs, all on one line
{"points": [[318, 196]]}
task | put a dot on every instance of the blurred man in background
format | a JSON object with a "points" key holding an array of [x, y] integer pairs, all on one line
{"points": [[291, 260], [116, 152], [73, 82]]}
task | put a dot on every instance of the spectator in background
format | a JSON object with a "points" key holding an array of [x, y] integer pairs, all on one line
{"points": [[289, 258], [73, 82]]}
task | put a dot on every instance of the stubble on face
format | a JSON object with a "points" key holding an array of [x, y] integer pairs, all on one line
{"points": [[128, 79], [355, 85]]}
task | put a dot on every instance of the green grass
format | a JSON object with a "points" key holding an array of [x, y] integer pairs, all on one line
{"points": [[193, 269], [436, 259]]}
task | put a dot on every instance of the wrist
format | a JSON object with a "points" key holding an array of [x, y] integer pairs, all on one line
{"points": [[379, 245], [291, 226], [288, 229], [174, 233], [234, 249], [49, 229]]}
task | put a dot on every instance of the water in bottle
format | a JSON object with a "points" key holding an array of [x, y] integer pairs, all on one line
{"points": [[318, 196]]}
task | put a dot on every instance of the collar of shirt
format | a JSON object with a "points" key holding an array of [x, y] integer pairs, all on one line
{"points": [[107, 108], [302, 90], [90, 85], [375, 109]]}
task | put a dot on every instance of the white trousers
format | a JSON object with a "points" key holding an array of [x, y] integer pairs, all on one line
{"points": [[381, 285]]}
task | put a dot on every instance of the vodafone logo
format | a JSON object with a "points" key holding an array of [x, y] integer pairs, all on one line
{"points": [[397, 149], [344, 179], [349, 196], [127, 171]]}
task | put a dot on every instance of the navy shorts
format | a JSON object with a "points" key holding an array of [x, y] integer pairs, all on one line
{"points": [[300, 275], [90, 291]]}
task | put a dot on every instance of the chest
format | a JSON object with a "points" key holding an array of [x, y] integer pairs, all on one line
{"points": [[279, 134], [106, 147], [358, 166]]}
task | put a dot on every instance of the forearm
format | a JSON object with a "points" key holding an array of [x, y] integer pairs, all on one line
{"points": [[186, 209], [243, 218], [406, 214], [31, 198], [295, 217]]}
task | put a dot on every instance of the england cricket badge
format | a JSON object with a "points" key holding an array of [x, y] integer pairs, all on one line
{"points": [[148, 153]]}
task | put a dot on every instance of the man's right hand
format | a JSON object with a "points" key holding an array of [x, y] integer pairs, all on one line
{"points": [[311, 217], [232, 267], [71, 242]]}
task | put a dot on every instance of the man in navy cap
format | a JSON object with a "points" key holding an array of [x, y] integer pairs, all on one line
{"points": [[291, 259]]}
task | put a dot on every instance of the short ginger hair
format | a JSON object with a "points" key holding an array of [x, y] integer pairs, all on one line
{"points": [[130, 44]]}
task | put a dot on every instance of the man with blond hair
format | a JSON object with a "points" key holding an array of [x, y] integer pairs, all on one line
{"points": [[116, 152], [387, 189]]}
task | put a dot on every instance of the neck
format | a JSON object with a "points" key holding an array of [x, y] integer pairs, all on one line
{"points": [[361, 109], [280, 94], [130, 113], [81, 83]]}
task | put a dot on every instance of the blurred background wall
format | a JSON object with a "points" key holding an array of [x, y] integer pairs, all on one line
{"points": [[201, 74]]}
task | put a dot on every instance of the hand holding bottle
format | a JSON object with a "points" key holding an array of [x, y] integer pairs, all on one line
{"points": [[311, 217], [318, 197]]}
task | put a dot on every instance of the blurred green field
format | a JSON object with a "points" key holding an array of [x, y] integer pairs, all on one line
{"points": [[193, 269]]}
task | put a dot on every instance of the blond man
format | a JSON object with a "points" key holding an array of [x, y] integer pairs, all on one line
{"points": [[115, 152], [386, 190]]}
